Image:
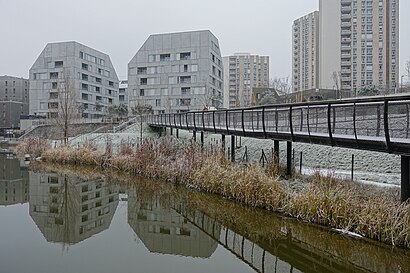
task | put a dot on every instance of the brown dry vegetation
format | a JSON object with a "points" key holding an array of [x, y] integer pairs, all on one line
{"points": [[373, 213]]}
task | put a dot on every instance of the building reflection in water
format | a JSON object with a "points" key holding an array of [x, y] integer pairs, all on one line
{"points": [[69, 210], [13, 181], [163, 230]]}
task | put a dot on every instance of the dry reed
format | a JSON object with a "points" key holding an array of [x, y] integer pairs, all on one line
{"points": [[326, 200]]}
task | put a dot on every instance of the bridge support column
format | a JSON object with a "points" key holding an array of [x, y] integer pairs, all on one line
{"points": [[202, 139], [194, 135], [276, 152], [289, 158], [233, 148], [177, 133], [223, 144], [405, 178]]}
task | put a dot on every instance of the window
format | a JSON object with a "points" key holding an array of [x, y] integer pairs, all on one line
{"points": [[165, 57], [84, 66], [58, 64], [143, 81], [98, 98], [53, 95], [97, 89], [84, 96], [110, 83], [121, 98], [184, 102], [158, 102], [185, 68], [142, 92], [185, 90], [110, 101], [84, 86], [54, 75], [141, 70], [184, 79], [53, 85], [98, 80], [84, 77], [185, 56]]}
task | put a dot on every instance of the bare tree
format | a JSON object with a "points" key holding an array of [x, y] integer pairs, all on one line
{"points": [[336, 75], [281, 85], [67, 105], [141, 111]]}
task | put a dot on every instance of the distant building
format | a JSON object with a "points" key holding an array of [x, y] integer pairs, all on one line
{"points": [[89, 72], [123, 93], [177, 72], [359, 44], [14, 101], [305, 68], [244, 71]]}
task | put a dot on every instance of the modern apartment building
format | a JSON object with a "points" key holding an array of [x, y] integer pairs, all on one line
{"points": [[305, 51], [123, 93], [329, 44], [14, 101], [244, 71], [370, 44], [359, 41], [177, 72], [70, 65]]}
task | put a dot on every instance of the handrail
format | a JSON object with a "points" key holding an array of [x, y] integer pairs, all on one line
{"points": [[352, 123]]}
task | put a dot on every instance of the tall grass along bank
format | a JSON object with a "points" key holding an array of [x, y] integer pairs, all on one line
{"points": [[325, 200]]}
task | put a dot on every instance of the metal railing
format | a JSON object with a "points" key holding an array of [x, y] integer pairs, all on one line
{"points": [[371, 123]]}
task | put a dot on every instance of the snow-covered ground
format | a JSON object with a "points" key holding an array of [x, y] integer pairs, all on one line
{"points": [[369, 167]]}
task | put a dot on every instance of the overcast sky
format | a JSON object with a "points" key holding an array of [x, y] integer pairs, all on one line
{"points": [[120, 27]]}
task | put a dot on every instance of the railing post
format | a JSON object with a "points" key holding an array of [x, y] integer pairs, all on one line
{"points": [[243, 121], [386, 124], [263, 122], [194, 135], [329, 123], [291, 123], [233, 148], [202, 138], [405, 178]]}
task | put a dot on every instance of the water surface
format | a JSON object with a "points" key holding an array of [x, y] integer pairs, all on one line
{"points": [[72, 220]]}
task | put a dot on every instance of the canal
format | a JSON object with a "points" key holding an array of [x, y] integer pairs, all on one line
{"points": [[55, 219]]}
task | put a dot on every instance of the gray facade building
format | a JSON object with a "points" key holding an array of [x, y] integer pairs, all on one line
{"points": [[123, 93], [243, 72], [89, 73], [305, 61], [14, 101], [177, 72]]}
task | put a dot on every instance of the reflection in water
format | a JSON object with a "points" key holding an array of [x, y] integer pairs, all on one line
{"points": [[264, 241], [68, 209], [165, 231], [13, 181]]}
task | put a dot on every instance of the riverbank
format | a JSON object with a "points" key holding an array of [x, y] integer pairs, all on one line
{"points": [[371, 212]]}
